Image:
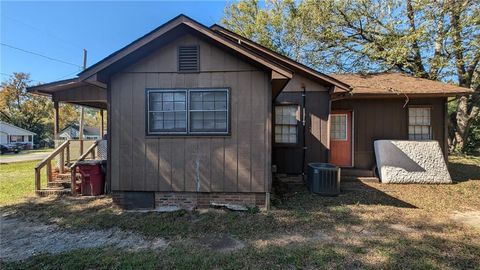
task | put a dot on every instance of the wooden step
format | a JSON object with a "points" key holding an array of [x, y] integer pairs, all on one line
{"points": [[53, 191], [67, 176], [65, 183]]}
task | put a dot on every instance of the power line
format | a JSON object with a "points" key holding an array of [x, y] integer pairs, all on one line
{"points": [[41, 55], [44, 32]]}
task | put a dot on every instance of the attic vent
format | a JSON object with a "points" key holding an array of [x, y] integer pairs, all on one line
{"points": [[188, 59]]}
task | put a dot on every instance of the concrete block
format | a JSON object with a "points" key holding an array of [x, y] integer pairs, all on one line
{"points": [[411, 162]]}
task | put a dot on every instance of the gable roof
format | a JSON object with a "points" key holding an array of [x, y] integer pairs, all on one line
{"points": [[4, 125], [87, 130], [150, 41], [390, 83], [290, 63]]}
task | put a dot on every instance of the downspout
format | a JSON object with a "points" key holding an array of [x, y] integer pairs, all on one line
{"points": [[304, 147], [327, 158]]}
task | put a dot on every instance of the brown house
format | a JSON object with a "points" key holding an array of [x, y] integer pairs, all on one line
{"points": [[200, 115]]}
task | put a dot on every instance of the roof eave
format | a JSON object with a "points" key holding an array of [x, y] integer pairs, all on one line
{"points": [[353, 95]]}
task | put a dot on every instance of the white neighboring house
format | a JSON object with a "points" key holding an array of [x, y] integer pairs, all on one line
{"points": [[72, 132], [13, 134]]}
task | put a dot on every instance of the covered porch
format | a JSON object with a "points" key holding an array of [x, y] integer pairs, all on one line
{"points": [[57, 173]]}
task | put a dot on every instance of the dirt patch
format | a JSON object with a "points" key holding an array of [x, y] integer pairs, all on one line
{"points": [[403, 228], [471, 218], [289, 239], [21, 240], [221, 243]]}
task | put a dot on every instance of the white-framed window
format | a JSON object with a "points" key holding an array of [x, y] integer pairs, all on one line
{"points": [[187, 111], [286, 124], [419, 123], [338, 127]]}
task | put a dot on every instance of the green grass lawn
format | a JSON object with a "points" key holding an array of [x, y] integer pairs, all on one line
{"points": [[42, 150], [370, 226], [16, 182]]}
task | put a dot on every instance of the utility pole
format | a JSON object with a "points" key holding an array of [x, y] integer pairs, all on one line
{"points": [[82, 110]]}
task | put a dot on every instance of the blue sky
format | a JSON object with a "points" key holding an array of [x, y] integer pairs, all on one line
{"points": [[62, 29]]}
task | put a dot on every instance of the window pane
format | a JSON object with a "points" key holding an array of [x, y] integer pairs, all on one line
{"points": [[412, 112], [196, 96], [179, 96], [220, 105], [338, 127], [180, 116], [426, 120], [285, 124], [208, 105], [171, 113], [180, 124], [179, 106], [278, 111], [221, 96], [208, 96], [195, 105], [168, 96], [221, 124], [155, 102], [425, 130], [167, 106], [210, 113]]}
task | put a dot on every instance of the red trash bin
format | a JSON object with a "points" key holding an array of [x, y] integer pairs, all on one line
{"points": [[93, 178]]}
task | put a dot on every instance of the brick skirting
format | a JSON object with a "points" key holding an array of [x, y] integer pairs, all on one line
{"points": [[189, 200], [185, 200]]}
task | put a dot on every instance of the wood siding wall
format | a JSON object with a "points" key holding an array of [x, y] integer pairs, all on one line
{"points": [[387, 119], [81, 94], [288, 158], [236, 163]]}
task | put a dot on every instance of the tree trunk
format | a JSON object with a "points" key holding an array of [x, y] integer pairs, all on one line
{"points": [[461, 124]]}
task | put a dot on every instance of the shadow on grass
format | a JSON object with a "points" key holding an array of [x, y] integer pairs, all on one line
{"points": [[462, 172], [352, 193]]}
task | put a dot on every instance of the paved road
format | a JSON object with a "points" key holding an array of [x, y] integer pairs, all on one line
{"points": [[9, 158]]}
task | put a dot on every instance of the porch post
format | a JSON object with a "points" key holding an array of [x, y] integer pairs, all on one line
{"points": [[101, 124], [56, 129]]}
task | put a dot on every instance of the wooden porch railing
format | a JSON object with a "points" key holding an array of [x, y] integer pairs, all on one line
{"points": [[64, 151], [64, 154], [73, 168]]}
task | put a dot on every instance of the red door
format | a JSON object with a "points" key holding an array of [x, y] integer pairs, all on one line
{"points": [[341, 138]]}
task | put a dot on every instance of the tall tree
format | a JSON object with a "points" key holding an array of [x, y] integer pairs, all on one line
{"points": [[27, 111], [438, 40]]}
